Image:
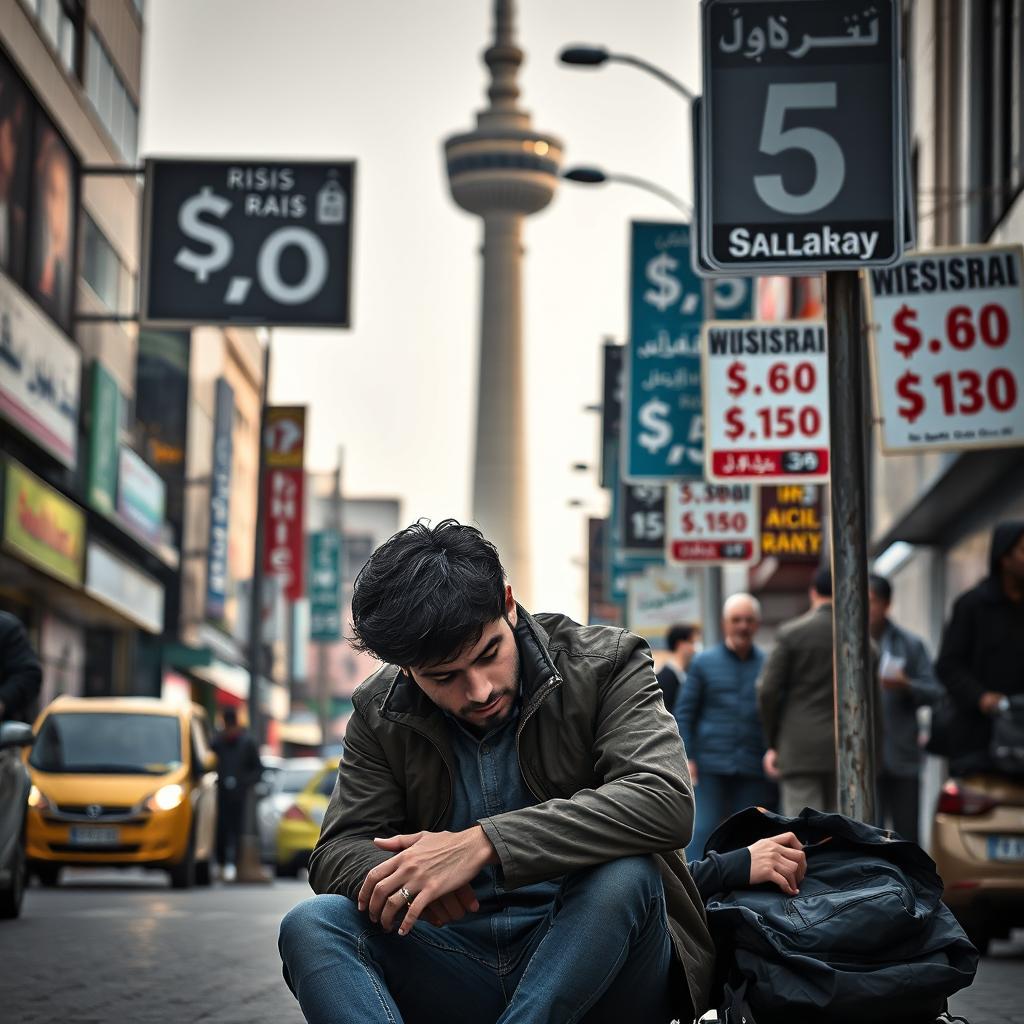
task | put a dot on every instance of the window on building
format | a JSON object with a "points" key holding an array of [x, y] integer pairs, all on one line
{"points": [[1002, 108], [110, 96], [61, 22], [101, 268]]}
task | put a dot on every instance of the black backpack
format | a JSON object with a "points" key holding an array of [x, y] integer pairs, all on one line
{"points": [[867, 939]]}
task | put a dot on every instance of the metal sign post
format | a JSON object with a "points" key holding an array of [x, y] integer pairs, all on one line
{"points": [[852, 662]]}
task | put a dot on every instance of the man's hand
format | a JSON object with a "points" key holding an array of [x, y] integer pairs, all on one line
{"points": [[692, 766], [431, 866], [770, 763], [897, 681], [779, 859], [988, 703]]}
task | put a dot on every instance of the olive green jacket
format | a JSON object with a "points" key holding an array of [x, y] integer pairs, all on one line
{"points": [[596, 747]]}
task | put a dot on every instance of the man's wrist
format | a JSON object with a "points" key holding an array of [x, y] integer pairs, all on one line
{"points": [[488, 854]]}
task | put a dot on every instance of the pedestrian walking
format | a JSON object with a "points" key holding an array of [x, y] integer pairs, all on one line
{"points": [[238, 770], [21, 675], [797, 706], [682, 646], [981, 658], [500, 840], [907, 681], [716, 712]]}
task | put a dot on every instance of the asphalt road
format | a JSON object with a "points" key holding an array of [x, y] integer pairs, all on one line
{"points": [[112, 947]]}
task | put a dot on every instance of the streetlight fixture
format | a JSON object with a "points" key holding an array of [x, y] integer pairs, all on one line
{"points": [[595, 176], [596, 56]]}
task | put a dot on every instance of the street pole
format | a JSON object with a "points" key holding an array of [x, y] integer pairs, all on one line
{"points": [[852, 661], [712, 603], [250, 867]]}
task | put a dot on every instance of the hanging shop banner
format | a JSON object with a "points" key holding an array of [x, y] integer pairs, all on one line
{"points": [[104, 430], [659, 597], [119, 584], [621, 564], [40, 376], [325, 586], [284, 493], [791, 522], [600, 611], [243, 241], [947, 332], [42, 527], [664, 437], [642, 511], [766, 401], [141, 498], [801, 135], [712, 524], [220, 501]]}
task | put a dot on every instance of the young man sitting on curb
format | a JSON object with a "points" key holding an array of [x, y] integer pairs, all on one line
{"points": [[503, 840]]}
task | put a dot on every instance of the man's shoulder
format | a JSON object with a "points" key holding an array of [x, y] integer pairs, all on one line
{"points": [[374, 688], [568, 638], [810, 622]]}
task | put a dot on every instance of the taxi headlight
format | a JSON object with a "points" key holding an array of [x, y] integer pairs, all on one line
{"points": [[37, 799], [166, 798]]}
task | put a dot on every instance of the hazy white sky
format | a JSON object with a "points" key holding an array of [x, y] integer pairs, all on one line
{"points": [[384, 82]]}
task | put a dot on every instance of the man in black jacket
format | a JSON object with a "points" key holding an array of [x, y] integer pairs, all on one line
{"points": [[682, 646], [981, 659], [20, 672], [238, 770]]}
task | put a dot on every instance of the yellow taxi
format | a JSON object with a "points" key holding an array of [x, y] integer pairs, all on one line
{"points": [[299, 827], [122, 781]]}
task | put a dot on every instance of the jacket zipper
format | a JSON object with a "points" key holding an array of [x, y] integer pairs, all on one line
{"points": [[554, 680]]}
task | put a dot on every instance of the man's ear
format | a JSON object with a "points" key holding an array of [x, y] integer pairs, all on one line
{"points": [[510, 606]]}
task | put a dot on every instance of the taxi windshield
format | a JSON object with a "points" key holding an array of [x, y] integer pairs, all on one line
{"points": [[108, 743]]}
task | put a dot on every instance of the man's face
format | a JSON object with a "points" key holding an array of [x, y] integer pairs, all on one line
{"points": [[1013, 561], [480, 685], [686, 649], [877, 611], [739, 624]]}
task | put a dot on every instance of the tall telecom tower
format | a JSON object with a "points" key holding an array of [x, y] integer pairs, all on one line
{"points": [[502, 171]]}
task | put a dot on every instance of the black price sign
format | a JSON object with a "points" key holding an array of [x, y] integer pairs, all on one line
{"points": [[643, 518], [245, 242], [801, 126]]}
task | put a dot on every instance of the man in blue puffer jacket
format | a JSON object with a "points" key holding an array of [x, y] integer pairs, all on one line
{"points": [[716, 712]]}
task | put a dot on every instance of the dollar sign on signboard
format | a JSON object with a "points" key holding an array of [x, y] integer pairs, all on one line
{"points": [[653, 416], [737, 379], [906, 388], [734, 419], [903, 321], [659, 273], [206, 201]]}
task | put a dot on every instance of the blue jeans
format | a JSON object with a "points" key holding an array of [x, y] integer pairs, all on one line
{"points": [[599, 954], [720, 796]]}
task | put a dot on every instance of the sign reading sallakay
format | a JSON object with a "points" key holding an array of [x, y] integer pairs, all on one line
{"points": [[241, 241], [766, 401], [711, 524], [948, 349], [801, 135]]}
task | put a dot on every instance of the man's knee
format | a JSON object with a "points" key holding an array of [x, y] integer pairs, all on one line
{"points": [[621, 882], [327, 915]]}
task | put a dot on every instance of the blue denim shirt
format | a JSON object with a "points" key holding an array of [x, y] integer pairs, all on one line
{"points": [[489, 782]]}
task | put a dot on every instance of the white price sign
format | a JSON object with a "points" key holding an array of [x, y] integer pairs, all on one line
{"points": [[712, 524], [948, 349], [766, 401]]}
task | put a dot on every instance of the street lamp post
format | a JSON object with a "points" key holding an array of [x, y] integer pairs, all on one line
{"points": [[596, 56]]}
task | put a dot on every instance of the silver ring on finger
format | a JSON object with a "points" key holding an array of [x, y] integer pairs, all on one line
{"points": [[407, 896]]}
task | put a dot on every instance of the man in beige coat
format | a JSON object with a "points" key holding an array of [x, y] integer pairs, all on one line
{"points": [[503, 839]]}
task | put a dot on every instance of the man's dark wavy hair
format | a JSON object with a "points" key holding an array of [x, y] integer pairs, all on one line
{"points": [[426, 594]]}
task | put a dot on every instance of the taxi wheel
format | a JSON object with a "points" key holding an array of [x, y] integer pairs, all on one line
{"points": [[183, 875], [11, 897], [204, 872]]}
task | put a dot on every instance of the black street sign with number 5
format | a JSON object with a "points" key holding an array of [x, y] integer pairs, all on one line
{"points": [[801, 127]]}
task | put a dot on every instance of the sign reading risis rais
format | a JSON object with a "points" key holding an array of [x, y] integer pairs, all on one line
{"points": [[236, 241]]}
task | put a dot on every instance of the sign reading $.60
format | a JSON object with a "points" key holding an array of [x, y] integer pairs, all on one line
{"points": [[948, 331], [237, 242]]}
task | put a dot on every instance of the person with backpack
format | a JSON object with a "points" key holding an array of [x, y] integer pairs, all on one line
{"points": [[981, 657]]}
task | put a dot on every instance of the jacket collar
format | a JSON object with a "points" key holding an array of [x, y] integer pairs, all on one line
{"points": [[404, 697]]}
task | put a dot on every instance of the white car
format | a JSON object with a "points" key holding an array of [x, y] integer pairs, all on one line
{"points": [[283, 781]]}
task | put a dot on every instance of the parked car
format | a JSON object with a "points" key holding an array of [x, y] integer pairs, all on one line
{"points": [[122, 781], [300, 823], [978, 846], [14, 789], [283, 781]]}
